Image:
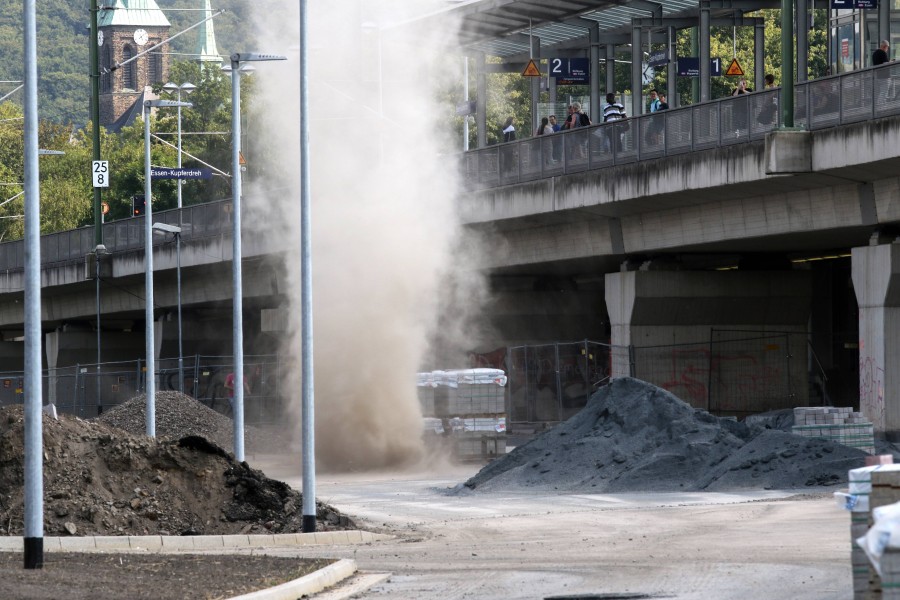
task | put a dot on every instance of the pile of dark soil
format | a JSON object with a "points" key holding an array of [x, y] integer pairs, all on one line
{"points": [[179, 415], [634, 436], [102, 481]]}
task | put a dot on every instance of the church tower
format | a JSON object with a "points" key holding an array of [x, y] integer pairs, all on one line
{"points": [[126, 29], [207, 52]]}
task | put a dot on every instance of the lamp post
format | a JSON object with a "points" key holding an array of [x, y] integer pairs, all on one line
{"points": [[237, 294], [175, 230], [150, 377], [187, 88]]}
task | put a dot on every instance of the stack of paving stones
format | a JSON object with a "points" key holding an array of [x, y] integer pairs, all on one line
{"points": [[838, 424], [871, 487]]}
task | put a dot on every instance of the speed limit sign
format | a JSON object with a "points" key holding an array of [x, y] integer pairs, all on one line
{"points": [[100, 173]]}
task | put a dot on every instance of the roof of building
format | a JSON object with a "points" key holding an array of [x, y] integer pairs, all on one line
{"points": [[132, 13], [129, 116], [206, 38], [501, 27]]}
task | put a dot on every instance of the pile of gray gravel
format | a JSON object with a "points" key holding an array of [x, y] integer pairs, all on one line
{"points": [[179, 415], [634, 436]]}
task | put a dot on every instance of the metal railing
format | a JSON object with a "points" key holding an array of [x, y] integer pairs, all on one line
{"points": [[828, 102], [197, 222]]}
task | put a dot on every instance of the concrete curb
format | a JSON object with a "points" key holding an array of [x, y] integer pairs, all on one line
{"points": [[306, 585], [161, 543]]}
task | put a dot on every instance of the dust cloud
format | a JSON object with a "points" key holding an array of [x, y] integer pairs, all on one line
{"points": [[385, 233]]}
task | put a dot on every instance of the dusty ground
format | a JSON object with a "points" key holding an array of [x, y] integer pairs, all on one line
{"points": [[146, 577], [690, 546]]}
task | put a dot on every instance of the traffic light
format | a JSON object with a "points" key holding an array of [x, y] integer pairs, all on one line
{"points": [[138, 206]]}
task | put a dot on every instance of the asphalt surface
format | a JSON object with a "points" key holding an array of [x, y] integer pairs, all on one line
{"points": [[510, 546]]}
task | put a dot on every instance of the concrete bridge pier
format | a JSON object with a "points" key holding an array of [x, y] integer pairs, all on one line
{"points": [[876, 280], [687, 328]]}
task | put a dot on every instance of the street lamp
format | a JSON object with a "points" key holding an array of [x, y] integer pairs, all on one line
{"points": [[237, 294], [150, 378], [187, 88], [175, 230]]}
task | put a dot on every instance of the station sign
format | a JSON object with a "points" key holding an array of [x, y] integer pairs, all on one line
{"points": [[174, 173], [658, 58], [689, 66], [851, 4], [571, 71]]}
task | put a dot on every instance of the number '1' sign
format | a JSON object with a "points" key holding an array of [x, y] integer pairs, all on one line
{"points": [[100, 173]]}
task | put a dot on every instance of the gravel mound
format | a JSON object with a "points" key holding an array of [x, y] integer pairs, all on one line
{"points": [[99, 480], [633, 436], [179, 415]]}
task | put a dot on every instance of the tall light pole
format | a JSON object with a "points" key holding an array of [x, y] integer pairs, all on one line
{"points": [[176, 231], [33, 540], [187, 88], [308, 426], [150, 377], [236, 276]]}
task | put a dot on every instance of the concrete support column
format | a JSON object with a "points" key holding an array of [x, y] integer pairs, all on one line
{"points": [[876, 280], [802, 40], [759, 55], [669, 318], [51, 347], [480, 101], [637, 87], [704, 52]]}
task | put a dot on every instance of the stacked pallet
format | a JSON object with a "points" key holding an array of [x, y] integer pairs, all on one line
{"points": [[838, 424]]}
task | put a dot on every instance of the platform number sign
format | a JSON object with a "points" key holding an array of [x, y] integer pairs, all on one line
{"points": [[100, 172]]}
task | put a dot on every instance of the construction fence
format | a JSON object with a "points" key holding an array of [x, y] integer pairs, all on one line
{"points": [[733, 373], [90, 389]]}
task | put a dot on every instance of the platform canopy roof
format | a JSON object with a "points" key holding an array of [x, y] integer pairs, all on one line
{"points": [[501, 27]]}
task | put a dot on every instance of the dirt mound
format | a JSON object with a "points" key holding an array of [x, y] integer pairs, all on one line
{"points": [[179, 415], [634, 436], [102, 481]]}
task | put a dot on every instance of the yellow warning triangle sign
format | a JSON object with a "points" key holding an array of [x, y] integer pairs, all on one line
{"points": [[531, 70], [734, 69], [241, 160]]}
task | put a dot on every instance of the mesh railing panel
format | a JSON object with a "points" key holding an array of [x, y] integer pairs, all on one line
{"points": [[824, 102], [706, 125], [530, 159], [602, 146], [735, 120], [653, 135], [509, 163], [886, 86], [576, 150], [856, 97], [763, 113], [626, 136], [552, 155], [801, 107], [679, 131], [489, 166]]}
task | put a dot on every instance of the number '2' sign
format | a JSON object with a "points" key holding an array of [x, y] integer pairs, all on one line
{"points": [[100, 172]]}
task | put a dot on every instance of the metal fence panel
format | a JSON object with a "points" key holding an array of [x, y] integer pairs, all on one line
{"points": [[735, 120], [531, 166], [653, 135], [509, 163], [886, 90], [824, 102], [602, 146], [576, 150], [856, 97], [489, 166], [552, 154], [706, 125], [763, 113], [679, 131], [749, 374]]}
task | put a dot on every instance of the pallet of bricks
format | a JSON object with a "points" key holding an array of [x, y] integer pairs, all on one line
{"points": [[875, 557], [471, 407], [838, 424]]}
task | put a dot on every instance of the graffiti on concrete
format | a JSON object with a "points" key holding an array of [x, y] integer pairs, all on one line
{"points": [[871, 389]]}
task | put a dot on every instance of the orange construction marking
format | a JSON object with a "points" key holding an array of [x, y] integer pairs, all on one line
{"points": [[531, 70], [734, 69], [241, 160]]}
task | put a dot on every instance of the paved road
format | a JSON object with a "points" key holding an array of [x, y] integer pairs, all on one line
{"points": [[690, 546]]}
